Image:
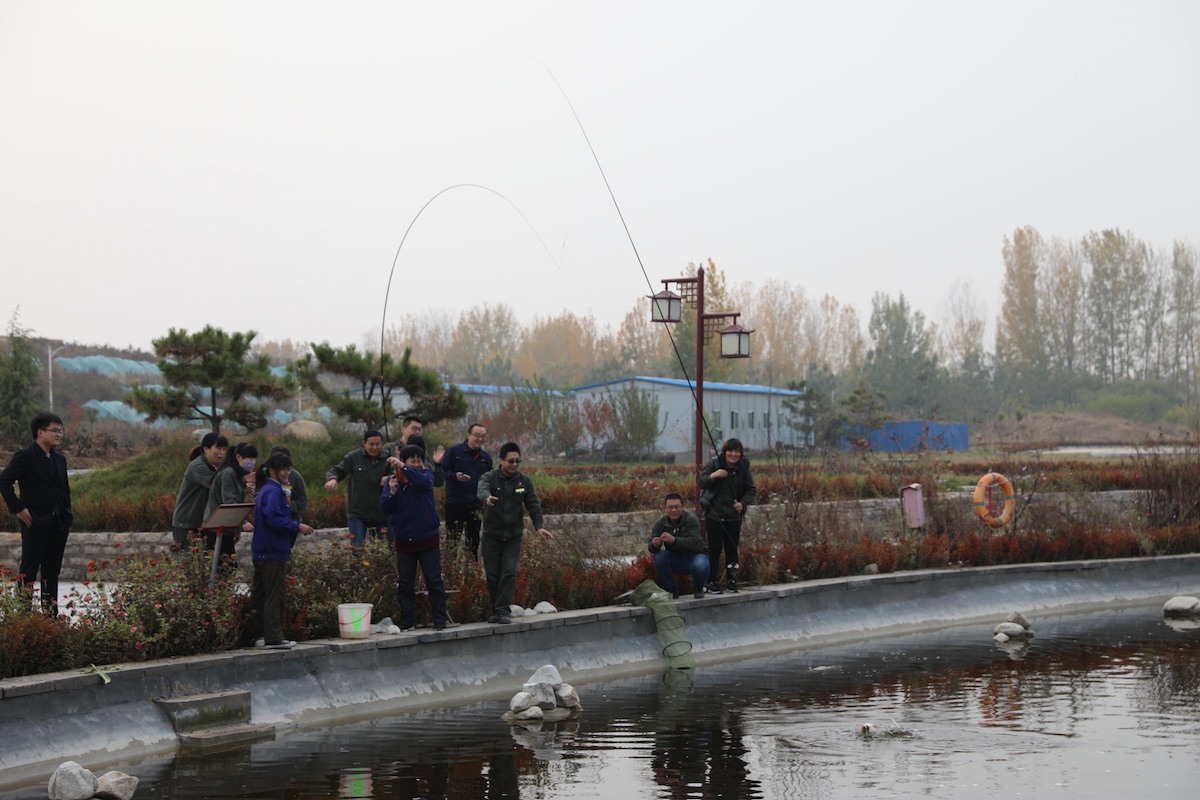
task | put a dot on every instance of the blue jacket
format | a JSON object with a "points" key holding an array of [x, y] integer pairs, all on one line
{"points": [[412, 510], [273, 524], [461, 458]]}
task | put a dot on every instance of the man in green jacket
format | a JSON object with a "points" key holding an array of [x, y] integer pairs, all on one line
{"points": [[679, 547], [506, 493], [363, 470]]}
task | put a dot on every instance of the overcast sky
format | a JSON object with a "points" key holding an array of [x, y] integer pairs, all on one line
{"points": [[256, 164]]}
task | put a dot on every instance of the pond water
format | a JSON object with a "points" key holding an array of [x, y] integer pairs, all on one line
{"points": [[1101, 706]]}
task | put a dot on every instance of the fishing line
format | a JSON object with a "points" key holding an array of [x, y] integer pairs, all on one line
{"points": [[392, 272], [637, 255]]}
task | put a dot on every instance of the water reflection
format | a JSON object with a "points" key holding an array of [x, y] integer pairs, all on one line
{"points": [[1101, 706]]}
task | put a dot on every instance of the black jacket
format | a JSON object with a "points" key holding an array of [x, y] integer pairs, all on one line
{"points": [[45, 490]]}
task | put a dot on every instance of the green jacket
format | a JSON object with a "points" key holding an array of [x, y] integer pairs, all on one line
{"points": [[363, 476], [229, 486], [739, 485], [686, 532], [505, 520], [298, 494], [193, 494]]}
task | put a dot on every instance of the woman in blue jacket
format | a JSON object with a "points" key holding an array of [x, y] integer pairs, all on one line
{"points": [[413, 521], [271, 548]]}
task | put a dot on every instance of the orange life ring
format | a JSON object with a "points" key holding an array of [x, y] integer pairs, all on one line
{"points": [[985, 509]]}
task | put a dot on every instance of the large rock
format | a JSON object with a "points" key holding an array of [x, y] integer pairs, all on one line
{"points": [[307, 430], [116, 786], [72, 782], [547, 673], [1019, 618], [544, 608], [1182, 606], [521, 701]]}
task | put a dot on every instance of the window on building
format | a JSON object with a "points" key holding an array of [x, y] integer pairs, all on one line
{"points": [[733, 420], [750, 420]]}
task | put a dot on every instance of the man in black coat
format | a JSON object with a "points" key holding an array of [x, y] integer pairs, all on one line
{"points": [[43, 507]]}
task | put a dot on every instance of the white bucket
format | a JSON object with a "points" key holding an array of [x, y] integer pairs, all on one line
{"points": [[354, 620]]}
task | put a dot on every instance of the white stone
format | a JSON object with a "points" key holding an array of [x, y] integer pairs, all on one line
{"points": [[566, 696], [394, 630], [1012, 630], [116, 786], [543, 694], [516, 611], [72, 782], [1019, 618], [533, 712], [307, 430], [544, 608], [521, 701], [547, 673], [1182, 606], [1000, 638]]}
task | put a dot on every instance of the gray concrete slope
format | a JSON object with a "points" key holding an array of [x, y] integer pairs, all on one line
{"points": [[48, 719]]}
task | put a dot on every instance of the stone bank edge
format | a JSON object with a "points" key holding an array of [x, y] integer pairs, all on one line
{"points": [[47, 719]]}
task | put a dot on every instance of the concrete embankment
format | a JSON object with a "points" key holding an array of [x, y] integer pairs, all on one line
{"points": [[48, 719]]}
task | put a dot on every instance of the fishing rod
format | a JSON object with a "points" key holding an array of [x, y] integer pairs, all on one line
{"points": [[637, 255], [396, 259]]}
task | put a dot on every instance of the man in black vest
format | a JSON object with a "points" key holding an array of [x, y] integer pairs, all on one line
{"points": [[44, 505]]}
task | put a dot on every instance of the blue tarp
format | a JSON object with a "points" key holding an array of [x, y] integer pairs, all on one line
{"points": [[899, 437]]}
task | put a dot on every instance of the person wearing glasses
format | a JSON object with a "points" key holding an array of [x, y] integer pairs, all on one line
{"points": [[463, 465], [43, 507], [506, 494], [679, 547]]}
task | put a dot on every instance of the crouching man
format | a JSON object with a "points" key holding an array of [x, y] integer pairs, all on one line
{"points": [[678, 547]]}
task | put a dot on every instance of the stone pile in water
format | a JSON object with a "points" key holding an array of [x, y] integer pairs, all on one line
{"points": [[544, 697]]}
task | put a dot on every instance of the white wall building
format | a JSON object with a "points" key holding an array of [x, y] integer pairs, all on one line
{"points": [[755, 414]]}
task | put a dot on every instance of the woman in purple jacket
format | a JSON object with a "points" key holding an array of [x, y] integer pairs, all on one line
{"points": [[271, 548], [413, 520]]}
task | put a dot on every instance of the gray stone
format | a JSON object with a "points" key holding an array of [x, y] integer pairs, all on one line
{"points": [[871, 569], [547, 673], [1013, 631], [533, 712], [116, 786], [1019, 618], [72, 782], [543, 694], [544, 608], [521, 701], [566, 696], [1182, 606]]}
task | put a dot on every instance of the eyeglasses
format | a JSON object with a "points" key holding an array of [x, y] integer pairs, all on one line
{"points": [[512, 461], [59, 431], [477, 435]]}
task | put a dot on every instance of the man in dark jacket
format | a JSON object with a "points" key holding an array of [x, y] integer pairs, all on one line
{"points": [[464, 464], [506, 493], [679, 547], [363, 470], [44, 506]]}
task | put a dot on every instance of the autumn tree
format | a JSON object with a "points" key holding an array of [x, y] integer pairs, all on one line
{"points": [[483, 344], [599, 421], [378, 381], [1019, 342], [211, 376]]}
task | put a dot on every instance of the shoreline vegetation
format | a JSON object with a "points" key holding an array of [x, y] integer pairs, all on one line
{"points": [[135, 607]]}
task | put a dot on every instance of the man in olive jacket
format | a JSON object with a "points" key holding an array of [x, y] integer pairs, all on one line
{"points": [[44, 507], [506, 493], [363, 470], [679, 547]]}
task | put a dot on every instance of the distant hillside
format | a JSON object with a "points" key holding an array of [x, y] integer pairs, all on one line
{"points": [[1074, 428]]}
